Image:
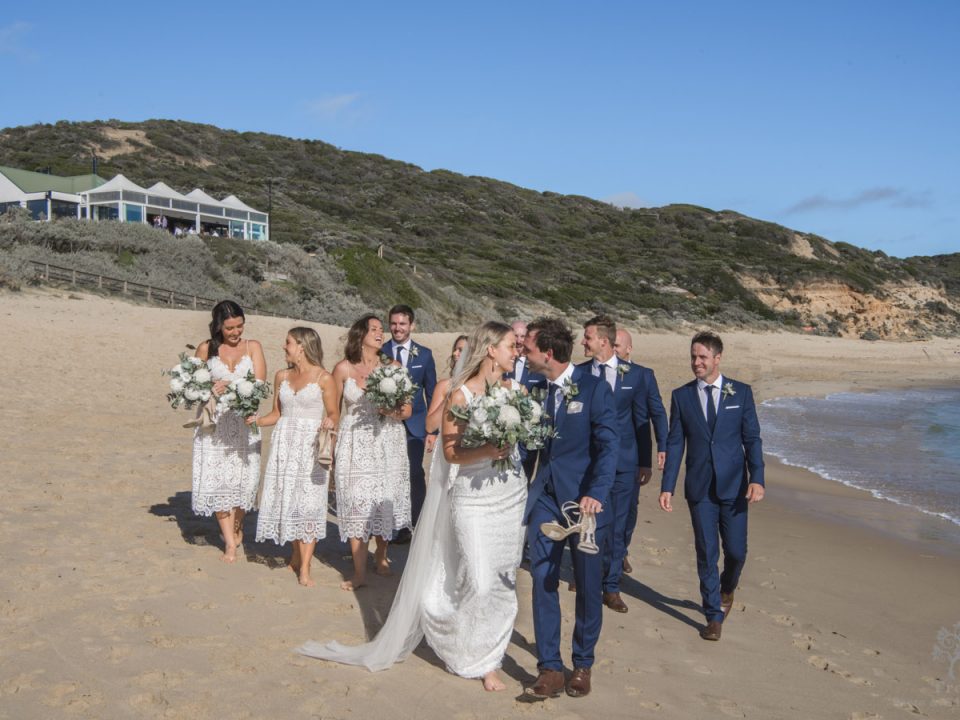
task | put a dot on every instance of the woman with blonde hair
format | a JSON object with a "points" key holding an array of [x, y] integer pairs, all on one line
{"points": [[294, 503], [435, 412], [459, 586]]}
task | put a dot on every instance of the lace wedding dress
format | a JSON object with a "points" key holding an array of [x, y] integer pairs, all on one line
{"points": [[294, 501], [226, 458], [372, 471], [459, 585]]}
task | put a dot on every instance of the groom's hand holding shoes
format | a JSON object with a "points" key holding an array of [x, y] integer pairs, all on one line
{"points": [[590, 506]]}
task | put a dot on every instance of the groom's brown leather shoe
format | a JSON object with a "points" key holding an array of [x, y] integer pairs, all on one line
{"points": [[549, 684], [627, 567], [613, 601], [579, 683], [726, 603], [711, 631]]}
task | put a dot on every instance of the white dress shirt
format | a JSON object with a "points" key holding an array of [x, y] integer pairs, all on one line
{"points": [[611, 374], [405, 361], [718, 384]]}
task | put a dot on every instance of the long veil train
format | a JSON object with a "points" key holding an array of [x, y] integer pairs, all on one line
{"points": [[430, 553]]}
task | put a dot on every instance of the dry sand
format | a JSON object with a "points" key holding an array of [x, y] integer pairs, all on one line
{"points": [[115, 603]]}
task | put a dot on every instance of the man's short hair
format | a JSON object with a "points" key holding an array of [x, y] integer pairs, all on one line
{"points": [[552, 333], [605, 326], [709, 340], [401, 310]]}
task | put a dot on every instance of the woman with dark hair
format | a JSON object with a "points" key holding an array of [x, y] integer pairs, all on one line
{"points": [[372, 473], [294, 503], [226, 458]]}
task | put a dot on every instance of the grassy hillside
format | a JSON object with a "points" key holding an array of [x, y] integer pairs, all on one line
{"points": [[461, 247]]}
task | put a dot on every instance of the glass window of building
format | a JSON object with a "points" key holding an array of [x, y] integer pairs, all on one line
{"points": [[133, 213], [256, 231], [63, 208], [107, 212], [37, 208]]}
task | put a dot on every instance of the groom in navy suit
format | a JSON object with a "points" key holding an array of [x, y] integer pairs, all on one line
{"points": [[717, 420], [637, 399], [418, 360], [578, 464]]}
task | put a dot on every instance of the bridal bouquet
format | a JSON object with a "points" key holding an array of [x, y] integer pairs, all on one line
{"points": [[245, 395], [190, 382], [390, 387], [502, 416]]}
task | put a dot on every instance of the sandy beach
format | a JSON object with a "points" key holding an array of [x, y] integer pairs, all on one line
{"points": [[115, 603]]}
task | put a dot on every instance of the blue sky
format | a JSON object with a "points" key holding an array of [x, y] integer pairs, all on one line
{"points": [[839, 118]]}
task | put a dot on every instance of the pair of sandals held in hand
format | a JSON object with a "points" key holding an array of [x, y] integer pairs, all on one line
{"points": [[586, 526]]}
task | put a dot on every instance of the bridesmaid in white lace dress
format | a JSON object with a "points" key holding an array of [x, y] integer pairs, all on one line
{"points": [[293, 507], [372, 472], [459, 586], [226, 459]]}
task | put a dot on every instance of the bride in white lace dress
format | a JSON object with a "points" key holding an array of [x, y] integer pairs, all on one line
{"points": [[372, 473], [226, 458], [293, 506], [459, 586]]}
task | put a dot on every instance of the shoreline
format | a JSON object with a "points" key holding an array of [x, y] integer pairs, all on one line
{"points": [[117, 603]]}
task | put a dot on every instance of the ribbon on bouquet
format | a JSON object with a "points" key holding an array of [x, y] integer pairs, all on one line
{"points": [[205, 417]]}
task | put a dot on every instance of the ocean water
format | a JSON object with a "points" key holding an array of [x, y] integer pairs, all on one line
{"points": [[900, 445]]}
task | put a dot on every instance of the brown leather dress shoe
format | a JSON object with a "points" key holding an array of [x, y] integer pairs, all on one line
{"points": [[549, 684], [726, 603], [579, 683], [627, 567], [613, 601], [711, 631]]}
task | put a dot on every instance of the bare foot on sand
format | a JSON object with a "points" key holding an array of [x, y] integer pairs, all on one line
{"points": [[306, 581], [492, 682], [230, 555], [380, 560], [352, 584]]}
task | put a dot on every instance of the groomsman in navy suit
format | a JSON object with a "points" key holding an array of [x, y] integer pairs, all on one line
{"points": [[578, 464], [522, 374], [717, 420], [657, 414], [418, 360], [635, 392]]}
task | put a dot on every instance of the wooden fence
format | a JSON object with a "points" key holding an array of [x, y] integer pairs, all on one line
{"points": [[56, 274]]}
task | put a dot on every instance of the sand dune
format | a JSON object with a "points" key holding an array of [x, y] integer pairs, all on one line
{"points": [[115, 604]]}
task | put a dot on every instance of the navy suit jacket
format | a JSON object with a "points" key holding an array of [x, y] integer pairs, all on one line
{"points": [[733, 452], [582, 458], [638, 402], [527, 379], [424, 373]]}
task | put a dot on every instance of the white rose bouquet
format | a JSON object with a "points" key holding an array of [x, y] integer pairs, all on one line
{"points": [[502, 416], [190, 382], [244, 396], [390, 387]]}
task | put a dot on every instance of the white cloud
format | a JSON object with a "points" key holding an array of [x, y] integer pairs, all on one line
{"points": [[11, 41], [627, 199], [333, 106]]}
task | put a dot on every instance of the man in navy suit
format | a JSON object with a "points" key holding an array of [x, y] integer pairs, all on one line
{"points": [[578, 464], [717, 419], [522, 374], [418, 360], [635, 392], [657, 414]]}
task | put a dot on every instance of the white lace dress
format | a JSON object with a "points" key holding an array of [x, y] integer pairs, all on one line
{"points": [[226, 459], [294, 501], [372, 470], [458, 587], [468, 616]]}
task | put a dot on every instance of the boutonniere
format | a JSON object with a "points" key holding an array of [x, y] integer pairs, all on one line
{"points": [[569, 390], [414, 351], [622, 369], [728, 390]]}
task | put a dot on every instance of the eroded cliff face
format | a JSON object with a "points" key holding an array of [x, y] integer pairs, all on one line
{"points": [[896, 311]]}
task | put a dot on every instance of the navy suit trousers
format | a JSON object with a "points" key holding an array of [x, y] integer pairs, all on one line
{"points": [[418, 484], [728, 519], [545, 557], [618, 508]]}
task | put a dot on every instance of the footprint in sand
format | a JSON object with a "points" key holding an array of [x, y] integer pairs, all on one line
{"points": [[909, 707], [803, 642], [202, 606], [726, 706], [831, 667], [865, 716]]}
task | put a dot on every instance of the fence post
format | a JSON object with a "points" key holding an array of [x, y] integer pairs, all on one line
{"points": [[171, 298], [124, 287], [74, 280], [149, 299], [194, 302], [100, 281], [46, 272]]}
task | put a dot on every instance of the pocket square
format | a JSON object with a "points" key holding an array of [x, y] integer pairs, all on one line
{"points": [[626, 387], [731, 407], [574, 407], [414, 367]]}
